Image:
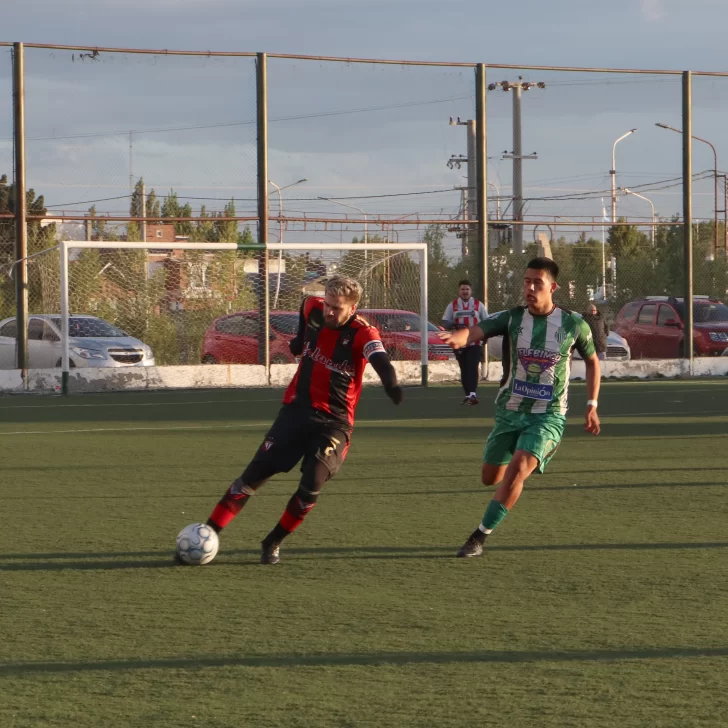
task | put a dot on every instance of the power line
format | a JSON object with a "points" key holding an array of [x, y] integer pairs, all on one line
{"points": [[86, 202], [248, 123]]}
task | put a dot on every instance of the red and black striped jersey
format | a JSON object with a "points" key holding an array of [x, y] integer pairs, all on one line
{"points": [[329, 376]]}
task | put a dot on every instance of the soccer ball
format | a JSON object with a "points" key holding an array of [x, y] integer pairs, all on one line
{"points": [[197, 544]]}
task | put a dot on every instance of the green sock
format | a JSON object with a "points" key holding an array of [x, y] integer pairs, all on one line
{"points": [[494, 514]]}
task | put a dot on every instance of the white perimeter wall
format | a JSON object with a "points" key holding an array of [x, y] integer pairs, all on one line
{"points": [[239, 375]]}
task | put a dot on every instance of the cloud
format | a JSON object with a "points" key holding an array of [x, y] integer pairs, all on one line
{"points": [[652, 10]]}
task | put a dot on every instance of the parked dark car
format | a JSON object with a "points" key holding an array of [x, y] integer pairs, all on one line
{"points": [[654, 327]]}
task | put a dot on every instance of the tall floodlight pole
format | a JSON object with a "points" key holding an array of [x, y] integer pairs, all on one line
{"points": [[715, 179], [613, 173], [280, 232]]}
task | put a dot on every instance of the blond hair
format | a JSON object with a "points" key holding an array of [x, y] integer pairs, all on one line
{"points": [[349, 288]]}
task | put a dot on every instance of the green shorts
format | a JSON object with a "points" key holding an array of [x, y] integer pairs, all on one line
{"points": [[538, 434]]}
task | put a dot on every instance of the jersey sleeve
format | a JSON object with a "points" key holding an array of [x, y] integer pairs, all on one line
{"points": [[370, 342], [584, 341], [482, 311], [448, 316], [495, 325], [309, 305]]}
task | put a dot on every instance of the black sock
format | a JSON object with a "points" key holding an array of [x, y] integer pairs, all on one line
{"points": [[275, 536], [479, 536]]}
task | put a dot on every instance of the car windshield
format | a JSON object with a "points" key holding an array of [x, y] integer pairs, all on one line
{"points": [[285, 323], [397, 322], [90, 328], [705, 313]]}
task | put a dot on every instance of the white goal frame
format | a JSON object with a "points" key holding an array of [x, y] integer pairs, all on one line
{"points": [[66, 246]]}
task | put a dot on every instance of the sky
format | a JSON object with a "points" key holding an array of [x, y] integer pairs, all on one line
{"points": [[377, 136]]}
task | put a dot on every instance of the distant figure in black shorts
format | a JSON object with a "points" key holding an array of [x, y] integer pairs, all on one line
{"points": [[317, 417], [464, 313]]}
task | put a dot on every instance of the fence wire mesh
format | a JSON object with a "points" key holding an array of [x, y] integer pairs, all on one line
{"points": [[585, 166]]}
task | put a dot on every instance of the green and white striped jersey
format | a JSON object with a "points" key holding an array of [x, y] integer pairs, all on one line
{"points": [[537, 357]]}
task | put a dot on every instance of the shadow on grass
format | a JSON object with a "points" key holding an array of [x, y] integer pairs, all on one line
{"points": [[365, 659], [131, 560]]}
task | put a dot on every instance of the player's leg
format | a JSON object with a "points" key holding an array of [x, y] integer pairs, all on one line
{"points": [[536, 445], [461, 357], [324, 456], [470, 373], [492, 474], [281, 449], [497, 456]]}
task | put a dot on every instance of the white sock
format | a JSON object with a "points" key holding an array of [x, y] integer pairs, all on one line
{"points": [[471, 395]]}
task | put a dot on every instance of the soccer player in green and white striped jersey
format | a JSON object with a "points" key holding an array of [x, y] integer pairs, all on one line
{"points": [[539, 339]]}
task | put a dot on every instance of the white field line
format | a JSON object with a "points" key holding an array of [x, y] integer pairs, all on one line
{"points": [[136, 429], [420, 422], [241, 401]]}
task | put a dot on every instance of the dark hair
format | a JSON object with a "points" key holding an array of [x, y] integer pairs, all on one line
{"points": [[544, 264], [465, 282]]}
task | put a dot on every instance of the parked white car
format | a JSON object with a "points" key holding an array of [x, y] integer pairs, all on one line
{"points": [[92, 342]]}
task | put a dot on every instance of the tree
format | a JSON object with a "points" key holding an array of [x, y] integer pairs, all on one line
{"points": [[626, 241]]}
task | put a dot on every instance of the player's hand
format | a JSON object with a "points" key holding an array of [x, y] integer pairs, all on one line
{"points": [[396, 394], [456, 339], [591, 421]]}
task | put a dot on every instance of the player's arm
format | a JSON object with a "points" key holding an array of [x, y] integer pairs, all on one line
{"points": [[493, 326], [585, 347], [448, 318], [376, 355], [296, 343]]}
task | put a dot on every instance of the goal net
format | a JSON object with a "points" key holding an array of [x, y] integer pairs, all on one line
{"points": [[205, 304]]}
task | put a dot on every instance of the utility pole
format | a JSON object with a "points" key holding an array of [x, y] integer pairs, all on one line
{"points": [[517, 154], [470, 234]]}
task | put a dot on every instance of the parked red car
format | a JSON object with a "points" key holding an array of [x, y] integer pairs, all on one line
{"points": [[654, 327], [401, 336], [233, 339]]}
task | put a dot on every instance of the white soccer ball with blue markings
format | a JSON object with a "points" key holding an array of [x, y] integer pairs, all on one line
{"points": [[197, 544]]}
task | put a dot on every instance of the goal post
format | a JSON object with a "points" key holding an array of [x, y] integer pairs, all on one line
{"points": [[179, 298]]}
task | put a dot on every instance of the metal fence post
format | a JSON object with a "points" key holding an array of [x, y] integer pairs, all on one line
{"points": [[687, 159], [263, 293], [21, 231]]}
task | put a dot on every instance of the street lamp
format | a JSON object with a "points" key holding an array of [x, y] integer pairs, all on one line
{"points": [[280, 231], [352, 207], [715, 176], [497, 199], [613, 173], [642, 197], [366, 240]]}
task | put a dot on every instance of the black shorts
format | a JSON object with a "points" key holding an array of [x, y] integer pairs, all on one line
{"points": [[300, 433]]}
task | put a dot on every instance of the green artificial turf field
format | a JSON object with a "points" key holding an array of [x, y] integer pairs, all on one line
{"points": [[602, 599]]}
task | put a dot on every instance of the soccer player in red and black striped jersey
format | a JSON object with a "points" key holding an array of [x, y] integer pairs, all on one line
{"points": [[317, 417]]}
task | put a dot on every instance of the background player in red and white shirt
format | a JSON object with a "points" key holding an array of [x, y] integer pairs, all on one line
{"points": [[464, 313], [317, 417]]}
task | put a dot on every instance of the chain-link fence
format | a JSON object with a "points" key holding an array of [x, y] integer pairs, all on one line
{"points": [[585, 166]]}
